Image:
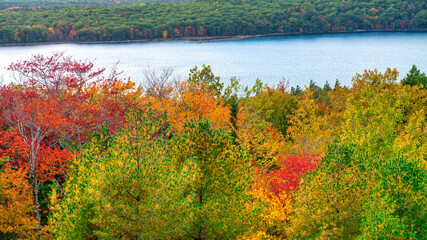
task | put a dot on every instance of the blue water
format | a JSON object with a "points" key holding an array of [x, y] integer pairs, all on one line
{"points": [[299, 59]]}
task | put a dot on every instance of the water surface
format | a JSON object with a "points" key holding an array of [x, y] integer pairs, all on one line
{"points": [[300, 59]]}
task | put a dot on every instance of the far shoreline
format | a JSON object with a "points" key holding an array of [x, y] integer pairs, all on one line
{"points": [[218, 38]]}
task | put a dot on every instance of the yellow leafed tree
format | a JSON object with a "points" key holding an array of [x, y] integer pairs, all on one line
{"points": [[309, 130]]}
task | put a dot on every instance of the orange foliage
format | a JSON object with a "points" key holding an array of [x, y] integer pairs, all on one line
{"points": [[106, 104], [275, 215], [191, 102], [15, 203]]}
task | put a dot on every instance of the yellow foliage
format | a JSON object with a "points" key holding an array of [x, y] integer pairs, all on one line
{"points": [[274, 211], [374, 110], [262, 140], [411, 143], [329, 204], [335, 118], [309, 131]]}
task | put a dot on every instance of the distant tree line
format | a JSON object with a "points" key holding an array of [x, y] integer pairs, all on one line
{"points": [[206, 18], [45, 4]]}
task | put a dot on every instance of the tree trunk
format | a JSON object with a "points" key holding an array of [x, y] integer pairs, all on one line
{"points": [[35, 184]]}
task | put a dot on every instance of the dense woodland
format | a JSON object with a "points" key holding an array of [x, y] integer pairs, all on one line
{"points": [[87, 154], [85, 21], [46, 4]]}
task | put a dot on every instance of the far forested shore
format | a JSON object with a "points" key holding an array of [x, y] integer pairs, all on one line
{"points": [[216, 38], [205, 20]]}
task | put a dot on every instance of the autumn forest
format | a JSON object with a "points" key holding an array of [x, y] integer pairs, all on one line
{"points": [[41, 21], [88, 154]]}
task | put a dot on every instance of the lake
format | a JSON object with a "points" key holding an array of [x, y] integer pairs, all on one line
{"points": [[299, 59]]}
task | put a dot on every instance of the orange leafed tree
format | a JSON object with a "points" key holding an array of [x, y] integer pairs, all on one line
{"points": [[12, 145], [16, 208], [197, 103], [198, 98]]}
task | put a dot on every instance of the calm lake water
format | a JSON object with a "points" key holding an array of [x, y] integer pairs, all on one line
{"points": [[300, 59]]}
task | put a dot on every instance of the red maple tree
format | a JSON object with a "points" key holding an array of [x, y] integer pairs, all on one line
{"points": [[292, 168]]}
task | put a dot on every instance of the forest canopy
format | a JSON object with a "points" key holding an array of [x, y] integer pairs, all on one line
{"points": [[87, 154], [57, 23]]}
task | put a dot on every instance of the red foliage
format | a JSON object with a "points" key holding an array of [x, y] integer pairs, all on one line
{"points": [[52, 164], [72, 34], [402, 24], [81, 95], [55, 75], [12, 145], [35, 125], [32, 115], [57, 98], [292, 168]]}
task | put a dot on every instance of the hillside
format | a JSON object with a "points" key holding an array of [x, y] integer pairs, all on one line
{"points": [[4, 4], [206, 19]]}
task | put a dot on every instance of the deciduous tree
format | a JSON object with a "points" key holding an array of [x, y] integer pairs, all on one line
{"points": [[329, 203], [221, 185], [16, 207], [35, 118], [126, 187]]}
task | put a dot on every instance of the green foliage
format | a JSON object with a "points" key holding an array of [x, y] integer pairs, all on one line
{"points": [[297, 91], [222, 184], [73, 208], [126, 188], [380, 221], [275, 106], [375, 189], [142, 193], [405, 183], [321, 94], [47, 4], [29, 24], [350, 198], [149, 181], [206, 79], [329, 202], [232, 99], [3, 160], [415, 77], [142, 185], [373, 112], [397, 208]]}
